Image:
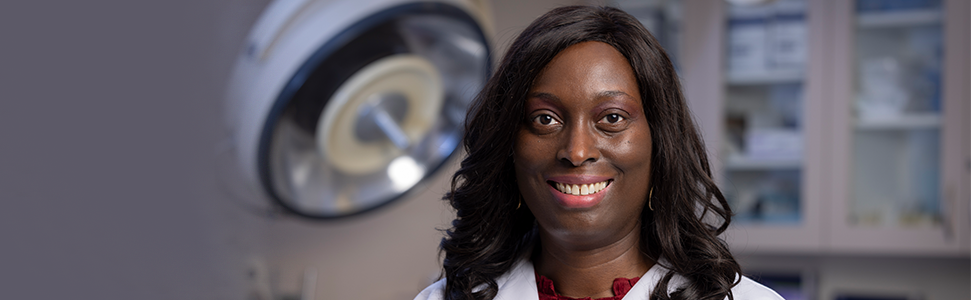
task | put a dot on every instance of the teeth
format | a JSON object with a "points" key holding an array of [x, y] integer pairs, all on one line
{"points": [[581, 189]]}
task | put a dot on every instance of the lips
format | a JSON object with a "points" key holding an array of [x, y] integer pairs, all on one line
{"points": [[578, 191]]}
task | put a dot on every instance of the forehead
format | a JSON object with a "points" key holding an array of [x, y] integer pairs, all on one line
{"points": [[587, 67]]}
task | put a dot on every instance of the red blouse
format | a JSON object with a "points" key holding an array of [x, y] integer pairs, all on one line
{"points": [[546, 291]]}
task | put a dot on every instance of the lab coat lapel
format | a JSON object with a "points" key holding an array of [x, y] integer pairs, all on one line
{"points": [[645, 286], [519, 283]]}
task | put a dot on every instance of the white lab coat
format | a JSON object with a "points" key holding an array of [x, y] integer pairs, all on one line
{"points": [[520, 284]]}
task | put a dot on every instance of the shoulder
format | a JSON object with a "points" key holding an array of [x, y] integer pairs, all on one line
{"points": [[748, 289], [436, 291]]}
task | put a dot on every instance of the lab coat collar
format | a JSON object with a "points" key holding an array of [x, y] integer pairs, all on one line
{"points": [[520, 282]]}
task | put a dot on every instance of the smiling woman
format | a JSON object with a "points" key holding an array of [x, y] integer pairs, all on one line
{"points": [[585, 105], [585, 176]]}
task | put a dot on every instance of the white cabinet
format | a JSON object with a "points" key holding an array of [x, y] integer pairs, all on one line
{"points": [[856, 142]]}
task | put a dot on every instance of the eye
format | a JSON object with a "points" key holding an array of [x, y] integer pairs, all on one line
{"points": [[612, 118], [545, 119]]}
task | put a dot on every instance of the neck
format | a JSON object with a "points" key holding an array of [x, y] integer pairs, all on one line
{"points": [[579, 272]]}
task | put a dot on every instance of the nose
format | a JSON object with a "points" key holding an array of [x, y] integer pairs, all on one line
{"points": [[579, 146]]}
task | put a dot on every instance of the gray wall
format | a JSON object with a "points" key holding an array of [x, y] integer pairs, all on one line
{"points": [[108, 118]]}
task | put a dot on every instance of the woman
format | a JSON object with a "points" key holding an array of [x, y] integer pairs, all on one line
{"points": [[585, 176]]}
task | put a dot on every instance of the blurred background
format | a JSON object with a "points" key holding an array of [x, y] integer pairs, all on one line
{"points": [[132, 166]]}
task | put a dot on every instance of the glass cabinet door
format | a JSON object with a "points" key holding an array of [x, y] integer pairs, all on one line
{"points": [[765, 125], [896, 139], [900, 190], [763, 112]]}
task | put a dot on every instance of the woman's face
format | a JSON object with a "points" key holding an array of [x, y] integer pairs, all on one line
{"points": [[583, 155]]}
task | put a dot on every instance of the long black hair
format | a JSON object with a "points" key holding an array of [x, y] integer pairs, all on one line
{"points": [[490, 233]]}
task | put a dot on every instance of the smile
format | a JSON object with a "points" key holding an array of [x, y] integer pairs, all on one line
{"points": [[580, 189]]}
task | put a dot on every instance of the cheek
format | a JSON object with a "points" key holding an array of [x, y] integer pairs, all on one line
{"points": [[643, 144], [635, 147], [633, 154], [633, 157], [527, 157], [520, 155]]}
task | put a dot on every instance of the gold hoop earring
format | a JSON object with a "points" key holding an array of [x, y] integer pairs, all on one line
{"points": [[650, 195], [520, 204]]}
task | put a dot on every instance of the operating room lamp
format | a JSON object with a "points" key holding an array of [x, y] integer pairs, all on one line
{"points": [[336, 108]]}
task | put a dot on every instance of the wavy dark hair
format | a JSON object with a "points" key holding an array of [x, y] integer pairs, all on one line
{"points": [[490, 233]]}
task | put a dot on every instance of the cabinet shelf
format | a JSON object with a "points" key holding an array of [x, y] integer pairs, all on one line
{"points": [[742, 163], [902, 122], [774, 77], [899, 18]]}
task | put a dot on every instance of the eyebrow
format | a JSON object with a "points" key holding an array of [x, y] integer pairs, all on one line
{"points": [[603, 94], [607, 94]]}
